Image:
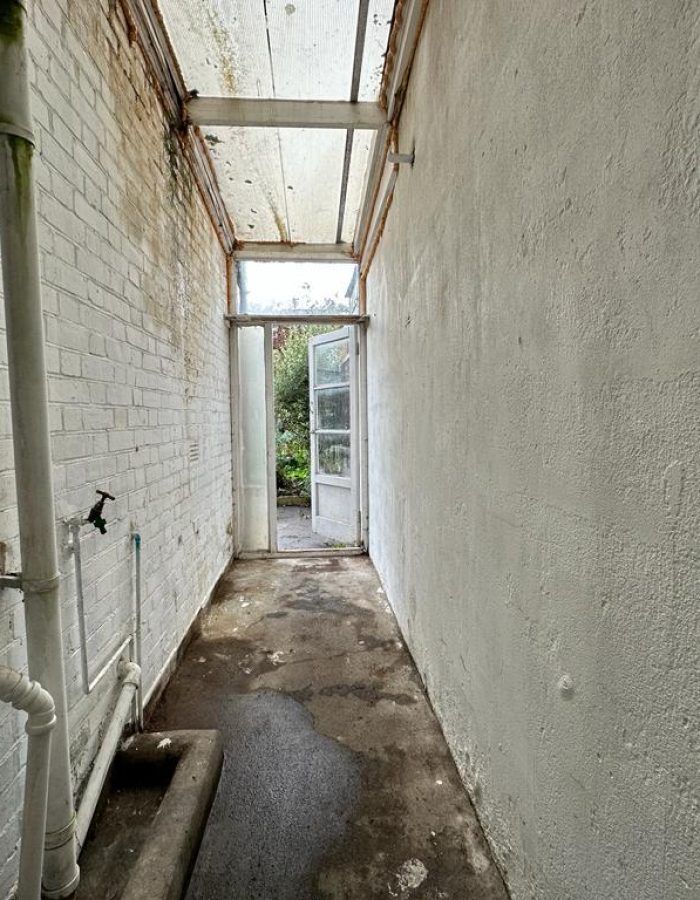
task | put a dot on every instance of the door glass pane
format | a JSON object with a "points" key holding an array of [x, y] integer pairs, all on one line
{"points": [[332, 362], [333, 408], [334, 454], [251, 367]]}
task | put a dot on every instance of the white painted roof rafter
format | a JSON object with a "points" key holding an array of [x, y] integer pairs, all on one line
{"points": [[303, 252], [244, 112]]}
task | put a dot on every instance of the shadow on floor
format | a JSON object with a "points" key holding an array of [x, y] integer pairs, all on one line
{"points": [[337, 781]]}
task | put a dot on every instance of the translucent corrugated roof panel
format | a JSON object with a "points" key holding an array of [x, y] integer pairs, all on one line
{"points": [[378, 24], [283, 184], [302, 50]]}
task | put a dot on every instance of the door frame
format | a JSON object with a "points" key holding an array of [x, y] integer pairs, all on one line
{"points": [[244, 321], [350, 334]]}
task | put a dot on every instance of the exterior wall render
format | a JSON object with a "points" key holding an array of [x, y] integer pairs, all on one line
{"points": [[534, 409], [134, 291]]}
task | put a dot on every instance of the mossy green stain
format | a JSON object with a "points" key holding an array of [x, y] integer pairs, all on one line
{"points": [[11, 32], [11, 21], [170, 145], [22, 152]]}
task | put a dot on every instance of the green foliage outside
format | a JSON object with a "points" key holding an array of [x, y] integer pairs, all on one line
{"points": [[291, 385]]}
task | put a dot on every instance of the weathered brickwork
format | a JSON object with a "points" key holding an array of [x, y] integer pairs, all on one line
{"points": [[134, 291]]}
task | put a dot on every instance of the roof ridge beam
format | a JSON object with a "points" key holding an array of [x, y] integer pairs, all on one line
{"points": [[270, 113]]}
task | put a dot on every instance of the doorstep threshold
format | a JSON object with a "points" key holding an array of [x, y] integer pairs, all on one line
{"points": [[320, 552]]}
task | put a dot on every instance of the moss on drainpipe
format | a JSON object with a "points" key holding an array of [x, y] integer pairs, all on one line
{"points": [[22, 152], [11, 21], [12, 16]]}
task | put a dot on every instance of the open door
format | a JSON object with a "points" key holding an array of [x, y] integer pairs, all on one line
{"points": [[333, 380]]}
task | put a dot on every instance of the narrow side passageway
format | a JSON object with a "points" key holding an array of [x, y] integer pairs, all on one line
{"points": [[337, 781]]}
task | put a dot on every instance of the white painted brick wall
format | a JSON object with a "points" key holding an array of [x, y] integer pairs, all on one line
{"points": [[134, 294]]}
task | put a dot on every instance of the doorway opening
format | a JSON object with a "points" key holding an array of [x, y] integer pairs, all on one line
{"points": [[313, 411], [299, 370]]}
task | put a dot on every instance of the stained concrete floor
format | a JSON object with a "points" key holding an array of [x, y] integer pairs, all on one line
{"points": [[337, 781]]}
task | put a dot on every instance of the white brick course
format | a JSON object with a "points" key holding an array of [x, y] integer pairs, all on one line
{"points": [[137, 355]]}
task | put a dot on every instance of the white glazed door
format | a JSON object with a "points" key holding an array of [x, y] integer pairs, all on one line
{"points": [[333, 381]]}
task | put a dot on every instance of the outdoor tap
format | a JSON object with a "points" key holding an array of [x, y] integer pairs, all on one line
{"points": [[95, 515]]}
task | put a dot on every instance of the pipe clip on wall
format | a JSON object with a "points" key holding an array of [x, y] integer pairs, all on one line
{"points": [[18, 131], [12, 580], [402, 159]]}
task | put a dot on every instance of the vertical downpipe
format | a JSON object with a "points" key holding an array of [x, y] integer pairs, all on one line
{"points": [[138, 625], [30, 433]]}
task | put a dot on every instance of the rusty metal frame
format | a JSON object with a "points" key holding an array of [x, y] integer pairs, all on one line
{"points": [[409, 16]]}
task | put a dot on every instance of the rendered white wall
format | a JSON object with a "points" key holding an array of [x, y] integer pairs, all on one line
{"points": [[134, 292], [534, 405]]}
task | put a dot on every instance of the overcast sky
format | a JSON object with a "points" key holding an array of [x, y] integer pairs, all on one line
{"points": [[274, 285]]}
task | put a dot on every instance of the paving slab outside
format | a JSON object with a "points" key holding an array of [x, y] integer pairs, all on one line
{"points": [[337, 781], [294, 530]]}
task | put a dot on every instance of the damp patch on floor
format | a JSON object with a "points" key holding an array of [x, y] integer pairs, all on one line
{"points": [[337, 780]]}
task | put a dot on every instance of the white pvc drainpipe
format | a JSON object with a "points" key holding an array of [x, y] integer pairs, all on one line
{"points": [[131, 696], [110, 744], [30, 434], [29, 696], [90, 683]]}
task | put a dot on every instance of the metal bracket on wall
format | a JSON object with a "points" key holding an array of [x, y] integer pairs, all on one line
{"points": [[402, 158]]}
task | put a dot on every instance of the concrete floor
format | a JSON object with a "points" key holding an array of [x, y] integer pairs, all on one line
{"points": [[294, 530], [337, 781]]}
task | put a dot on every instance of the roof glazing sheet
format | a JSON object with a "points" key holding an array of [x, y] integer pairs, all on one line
{"points": [[302, 50], [283, 184]]}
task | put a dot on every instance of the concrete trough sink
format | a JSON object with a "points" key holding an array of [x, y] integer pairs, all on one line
{"points": [[145, 837]]}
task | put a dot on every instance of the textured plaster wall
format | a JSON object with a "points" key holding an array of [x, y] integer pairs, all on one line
{"points": [[534, 397], [134, 292]]}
